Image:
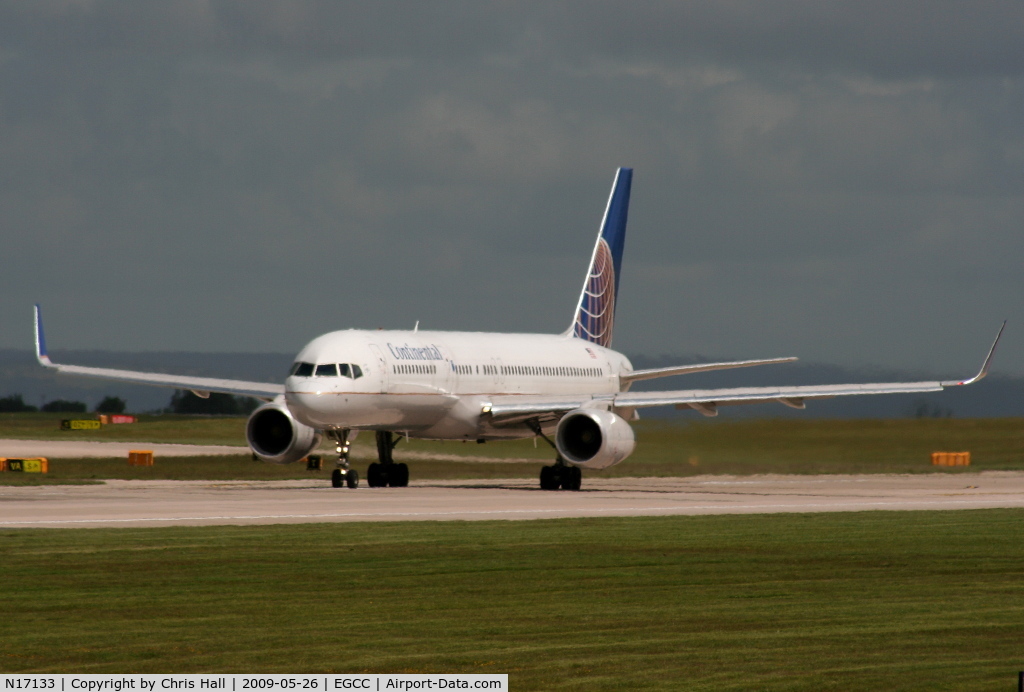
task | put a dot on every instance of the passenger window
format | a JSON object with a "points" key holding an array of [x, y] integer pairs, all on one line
{"points": [[343, 369], [357, 372], [304, 370], [327, 370]]}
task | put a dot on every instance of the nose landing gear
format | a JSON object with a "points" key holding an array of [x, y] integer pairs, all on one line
{"points": [[343, 476]]}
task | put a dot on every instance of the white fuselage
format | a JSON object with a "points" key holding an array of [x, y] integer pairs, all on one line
{"points": [[437, 384]]}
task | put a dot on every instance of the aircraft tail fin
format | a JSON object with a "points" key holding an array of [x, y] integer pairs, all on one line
{"points": [[595, 313]]}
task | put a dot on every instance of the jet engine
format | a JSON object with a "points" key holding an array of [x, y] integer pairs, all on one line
{"points": [[593, 438], [278, 438]]}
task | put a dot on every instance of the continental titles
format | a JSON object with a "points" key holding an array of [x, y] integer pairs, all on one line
{"points": [[408, 352]]}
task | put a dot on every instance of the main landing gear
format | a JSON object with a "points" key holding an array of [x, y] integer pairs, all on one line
{"points": [[343, 476], [386, 472], [559, 475]]}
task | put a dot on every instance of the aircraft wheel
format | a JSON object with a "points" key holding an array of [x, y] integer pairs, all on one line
{"points": [[549, 479], [572, 478], [352, 479], [398, 475], [336, 479], [376, 475]]}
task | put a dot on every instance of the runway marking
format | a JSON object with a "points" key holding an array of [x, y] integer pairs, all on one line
{"points": [[682, 510]]}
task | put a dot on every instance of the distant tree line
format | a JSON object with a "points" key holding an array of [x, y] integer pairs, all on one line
{"points": [[215, 405], [922, 408], [15, 403], [111, 404], [181, 402]]}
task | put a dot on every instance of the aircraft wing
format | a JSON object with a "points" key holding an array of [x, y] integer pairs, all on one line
{"points": [[201, 386], [636, 375], [513, 410]]}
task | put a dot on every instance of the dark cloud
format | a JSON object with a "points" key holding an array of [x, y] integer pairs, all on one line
{"points": [[843, 181], [877, 38], [883, 39]]}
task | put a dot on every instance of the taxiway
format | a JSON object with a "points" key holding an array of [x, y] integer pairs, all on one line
{"points": [[197, 503]]}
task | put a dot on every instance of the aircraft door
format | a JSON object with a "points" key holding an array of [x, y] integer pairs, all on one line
{"points": [[382, 366], [497, 374], [444, 378]]}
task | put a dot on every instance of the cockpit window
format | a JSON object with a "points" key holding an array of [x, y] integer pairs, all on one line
{"points": [[303, 370], [344, 369], [357, 372], [327, 370]]}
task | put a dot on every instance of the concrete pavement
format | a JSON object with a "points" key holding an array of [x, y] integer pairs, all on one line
{"points": [[198, 503]]}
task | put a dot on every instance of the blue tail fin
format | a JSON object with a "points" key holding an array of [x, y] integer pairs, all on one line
{"points": [[595, 313]]}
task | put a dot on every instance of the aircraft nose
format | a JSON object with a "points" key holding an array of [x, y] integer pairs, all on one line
{"points": [[304, 397]]}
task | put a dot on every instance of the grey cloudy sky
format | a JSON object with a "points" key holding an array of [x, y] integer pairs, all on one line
{"points": [[842, 181]]}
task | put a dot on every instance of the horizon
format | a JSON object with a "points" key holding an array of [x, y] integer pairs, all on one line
{"points": [[837, 182], [999, 395]]}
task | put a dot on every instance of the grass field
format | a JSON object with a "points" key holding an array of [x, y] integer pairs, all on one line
{"points": [[854, 601], [663, 449], [200, 430], [64, 471]]}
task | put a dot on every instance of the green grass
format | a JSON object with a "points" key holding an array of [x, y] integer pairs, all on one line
{"points": [[21, 479], [845, 601], [200, 430], [683, 448], [64, 471], [822, 446]]}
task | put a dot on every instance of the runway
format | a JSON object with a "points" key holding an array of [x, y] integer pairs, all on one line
{"points": [[90, 449], [122, 503]]}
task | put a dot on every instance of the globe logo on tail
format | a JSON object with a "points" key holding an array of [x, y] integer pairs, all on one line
{"points": [[596, 315]]}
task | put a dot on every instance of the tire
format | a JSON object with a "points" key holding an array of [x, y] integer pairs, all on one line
{"points": [[398, 475], [572, 478], [376, 475], [548, 478], [336, 478], [352, 479]]}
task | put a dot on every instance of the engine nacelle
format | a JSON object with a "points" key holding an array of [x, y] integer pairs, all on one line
{"points": [[593, 438], [278, 438]]}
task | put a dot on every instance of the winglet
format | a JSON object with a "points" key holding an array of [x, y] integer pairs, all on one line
{"points": [[41, 355], [984, 366]]}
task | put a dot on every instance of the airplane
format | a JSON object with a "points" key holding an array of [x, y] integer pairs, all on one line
{"points": [[570, 389]]}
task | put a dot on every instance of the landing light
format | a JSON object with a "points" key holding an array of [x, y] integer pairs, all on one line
{"points": [[486, 408]]}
